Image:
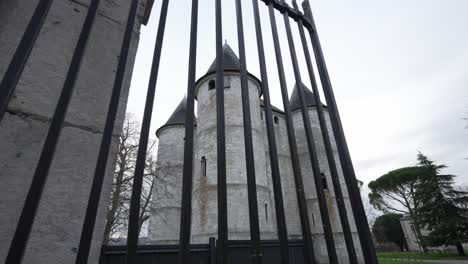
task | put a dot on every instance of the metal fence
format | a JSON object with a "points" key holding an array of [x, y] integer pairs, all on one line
{"points": [[238, 252], [225, 249]]}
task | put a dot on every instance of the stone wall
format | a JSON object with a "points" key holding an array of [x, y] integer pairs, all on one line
{"points": [[310, 191], [58, 223], [164, 224], [204, 220]]}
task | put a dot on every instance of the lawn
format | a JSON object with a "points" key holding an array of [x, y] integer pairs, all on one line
{"points": [[384, 261], [416, 255]]}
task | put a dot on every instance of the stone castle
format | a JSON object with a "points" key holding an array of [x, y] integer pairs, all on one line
{"points": [[164, 221]]}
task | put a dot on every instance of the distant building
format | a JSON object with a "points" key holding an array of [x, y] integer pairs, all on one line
{"points": [[412, 240]]}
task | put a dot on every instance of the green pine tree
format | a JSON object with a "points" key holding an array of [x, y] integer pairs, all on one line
{"points": [[443, 211]]}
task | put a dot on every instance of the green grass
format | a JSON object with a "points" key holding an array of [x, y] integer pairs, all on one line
{"points": [[384, 261], [416, 255]]}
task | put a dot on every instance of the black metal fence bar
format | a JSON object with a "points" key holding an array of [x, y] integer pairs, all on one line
{"points": [[345, 158], [275, 171], [33, 197], [21, 56], [95, 194], [311, 147], [222, 254], [133, 221], [309, 255], [328, 148], [249, 154], [186, 208], [284, 8]]}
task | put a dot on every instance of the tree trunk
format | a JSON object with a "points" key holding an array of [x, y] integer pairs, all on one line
{"points": [[460, 250]]}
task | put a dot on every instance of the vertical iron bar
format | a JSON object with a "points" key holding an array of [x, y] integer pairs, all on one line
{"points": [[213, 255], [249, 154], [222, 255], [26, 220], [134, 217], [95, 194], [21, 56], [309, 255], [311, 147], [328, 148], [275, 171], [186, 208], [345, 158]]}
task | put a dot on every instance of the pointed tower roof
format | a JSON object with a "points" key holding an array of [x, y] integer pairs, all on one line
{"points": [[294, 101], [177, 117], [230, 60], [231, 63]]}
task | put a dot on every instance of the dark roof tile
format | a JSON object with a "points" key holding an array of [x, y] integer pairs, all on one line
{"points": [[294, 101]]}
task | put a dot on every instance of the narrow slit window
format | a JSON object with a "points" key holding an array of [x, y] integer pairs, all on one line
{"points": [[203, 166], [324, 181], [266, 211], [261, 115], [227, 81]]}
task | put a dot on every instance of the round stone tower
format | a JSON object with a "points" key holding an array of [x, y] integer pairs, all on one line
{"points": [[204, 217], [309, 183], [165, 209]]}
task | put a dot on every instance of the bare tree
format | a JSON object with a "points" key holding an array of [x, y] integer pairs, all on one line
{"points": [[154, 181]]}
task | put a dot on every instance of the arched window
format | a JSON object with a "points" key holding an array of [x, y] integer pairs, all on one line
{"points": [[276, 119], [211, 84], [203, 167], [266, 211]]}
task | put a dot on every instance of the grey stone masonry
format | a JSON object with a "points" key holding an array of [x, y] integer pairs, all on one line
{"points": [[165, 209], [310, 191], [56, 231], [204, 220], [204, 201]]}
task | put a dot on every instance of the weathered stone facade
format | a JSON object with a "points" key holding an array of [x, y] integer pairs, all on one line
{"points": [[56, 231], [204, 202]]}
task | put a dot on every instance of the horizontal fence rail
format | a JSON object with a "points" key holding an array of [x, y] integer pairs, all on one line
{"points": [[220, 250]]}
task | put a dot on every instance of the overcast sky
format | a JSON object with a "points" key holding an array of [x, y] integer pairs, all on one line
{"points": [[399, 70]]}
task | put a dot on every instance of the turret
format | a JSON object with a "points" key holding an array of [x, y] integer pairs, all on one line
{"points": [[165, 214], [308, 176], [205, 166]]}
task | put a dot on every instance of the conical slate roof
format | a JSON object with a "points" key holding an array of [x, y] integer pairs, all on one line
{"points": [[178, 116], [230, 60], [294, 101]]}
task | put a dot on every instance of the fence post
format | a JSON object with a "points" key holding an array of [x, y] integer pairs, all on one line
{"points": [[345, 158], [212, 244]]}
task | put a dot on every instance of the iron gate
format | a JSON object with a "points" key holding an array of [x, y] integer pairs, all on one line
{"points": [[238, 252], [254, 249]]}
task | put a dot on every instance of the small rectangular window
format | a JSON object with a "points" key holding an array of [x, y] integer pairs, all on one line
{"points": [[276, 119], [227, 81], [211, 84], [324, 181], [203, 166]]}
